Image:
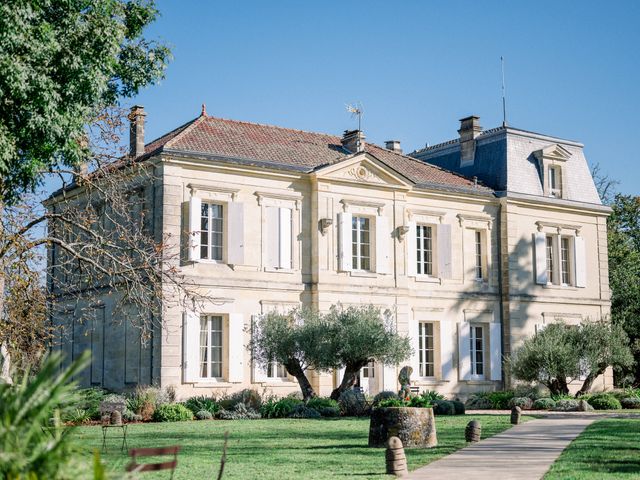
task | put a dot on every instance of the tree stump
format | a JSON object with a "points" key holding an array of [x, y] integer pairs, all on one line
{"points": [[396, 459], [473, 431], [516, 412], [415, 427]]}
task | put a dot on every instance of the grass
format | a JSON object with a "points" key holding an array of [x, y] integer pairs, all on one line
{"points": [[279, 449], [606, 449]]}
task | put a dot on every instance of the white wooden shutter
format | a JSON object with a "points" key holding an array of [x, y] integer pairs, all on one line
{"points": [[464, 355], [272, 239], [190, 346], [540, 247], [284, 238], [580, 262], [383, 234], [235, 250], [195, 212], [539, 327], [495, 343], [344, 242], [411, 250], [236, 348], [390, 378], [445, 268], [446, 350], [414, 333], [259, 372]]}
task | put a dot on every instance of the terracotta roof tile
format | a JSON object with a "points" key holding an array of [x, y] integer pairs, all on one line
{"points": [[294, 148]]}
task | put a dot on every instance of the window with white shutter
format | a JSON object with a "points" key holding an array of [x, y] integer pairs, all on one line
{"points": [[279, 237]]}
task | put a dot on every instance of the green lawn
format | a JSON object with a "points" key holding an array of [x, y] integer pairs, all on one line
{"points": [[606, 449], [280, 449]]}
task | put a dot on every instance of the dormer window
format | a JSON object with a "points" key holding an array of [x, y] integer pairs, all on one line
{"points": [[555, 181]]}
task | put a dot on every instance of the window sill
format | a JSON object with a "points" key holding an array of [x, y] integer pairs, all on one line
{"points": [[363, 274], [208, 383], [279, 270], [429, 381], [209, 262], [555, 286], [479, 381], [428, 279]]}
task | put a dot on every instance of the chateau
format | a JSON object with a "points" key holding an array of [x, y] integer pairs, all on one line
{"points": [[474, 244]]}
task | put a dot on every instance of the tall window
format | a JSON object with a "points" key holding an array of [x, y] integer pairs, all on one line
{"points": [[211, 224], [276, 370], [477, 350], [424, 254], [550, 259], [565, 250], [361, 243], [479, 274], [211, 346], [369, 370], [555, 189], [425, 349]]}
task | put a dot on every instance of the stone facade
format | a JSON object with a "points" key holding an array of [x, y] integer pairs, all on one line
{"points": [[286, 229]]}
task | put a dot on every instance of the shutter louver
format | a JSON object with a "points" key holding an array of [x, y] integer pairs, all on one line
{"points": [[411, 250], [580, 262], [464, 354], [195, 207], [259, 372], [390, 377], [446, 350], [284, 238], [236, 347], [190, 346], [540, 248], [345, 260], [414, 337], [495, 343], [383, 264], [445, 268]]}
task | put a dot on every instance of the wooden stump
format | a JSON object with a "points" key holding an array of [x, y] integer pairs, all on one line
{"points": [[515, 415], [415, 427], [396, 459], [473, 431]]}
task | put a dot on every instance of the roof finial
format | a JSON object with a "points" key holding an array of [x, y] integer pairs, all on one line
{"points": [[204, 110]]}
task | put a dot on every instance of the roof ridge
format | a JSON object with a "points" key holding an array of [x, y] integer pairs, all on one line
{"points": [[244, 122]]}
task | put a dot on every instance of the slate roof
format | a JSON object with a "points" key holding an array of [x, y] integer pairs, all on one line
{"points": [[292, 149]]}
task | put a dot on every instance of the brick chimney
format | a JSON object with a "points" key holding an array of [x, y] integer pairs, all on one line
{"points": [[470, 129], [393, 145], [353, 140], [136, 131]]}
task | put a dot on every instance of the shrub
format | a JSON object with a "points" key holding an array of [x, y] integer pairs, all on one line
{"points": [[458, 407], [90, 399], [204, 415], [165, 395], [351, 405], [630, 402], [172, 412], [567, 405], [443, 407], [302, 411], [420, 402], [77, 416], [478, 402], [143, 402], [604, 401], [391, 403], [239, 412], [202, 402], [500, 399], [384, 395], [432, 395], [319, 402], [248, 397], [523, 402], [329, 411], [278, 408], [129, 416], [544, 404]]}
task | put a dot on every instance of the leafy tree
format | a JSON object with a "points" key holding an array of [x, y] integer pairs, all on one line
{"points": [[359, 335], [549, 357], [601, 344], [62, 62], [624, 269]]}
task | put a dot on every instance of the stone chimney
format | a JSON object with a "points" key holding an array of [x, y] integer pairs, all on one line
{"points": [[353, 140], [136, 132], [393, 145], [470, 129]]}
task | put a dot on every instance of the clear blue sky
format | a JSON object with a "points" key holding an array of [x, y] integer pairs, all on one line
{"points": [[572, 69]]}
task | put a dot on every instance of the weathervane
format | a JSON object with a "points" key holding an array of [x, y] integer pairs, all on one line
{"points": [[356, 109]]}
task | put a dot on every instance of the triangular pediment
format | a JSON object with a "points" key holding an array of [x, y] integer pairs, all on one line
{"points": [[553, 152], [364, 169]]}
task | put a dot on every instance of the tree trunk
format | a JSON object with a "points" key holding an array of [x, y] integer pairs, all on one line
{"points": [[588, 382], [293, 368], [558, 386], [351, 373], [5, 356]]}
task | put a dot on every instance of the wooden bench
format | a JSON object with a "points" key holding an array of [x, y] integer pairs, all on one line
{"points": [[134, 453]]}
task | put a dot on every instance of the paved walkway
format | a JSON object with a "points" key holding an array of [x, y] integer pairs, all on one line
{"points": [[524, 452]]}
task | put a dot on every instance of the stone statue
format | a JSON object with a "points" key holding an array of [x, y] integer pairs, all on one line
{"points": [[405, 381]]}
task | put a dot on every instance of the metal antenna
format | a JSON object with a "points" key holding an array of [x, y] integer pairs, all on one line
{"points": [[504, 101], [356, 109]]}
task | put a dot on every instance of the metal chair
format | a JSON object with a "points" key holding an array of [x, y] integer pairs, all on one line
{"points": [[134, 453]]}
